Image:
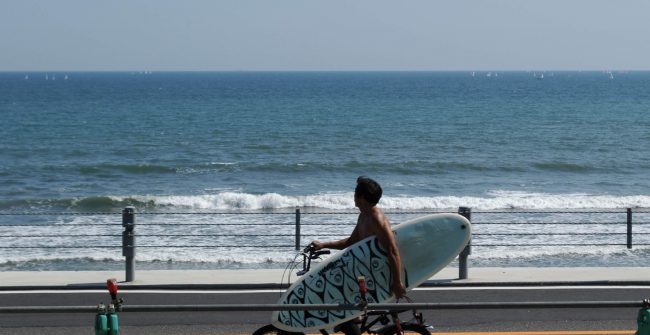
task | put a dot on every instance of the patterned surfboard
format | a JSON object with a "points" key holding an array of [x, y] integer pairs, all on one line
{"points": [[426, 245]]}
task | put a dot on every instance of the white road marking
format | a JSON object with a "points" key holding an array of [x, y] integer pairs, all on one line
{"points": [[453, 288]]}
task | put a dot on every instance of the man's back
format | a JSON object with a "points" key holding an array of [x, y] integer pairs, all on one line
{"points": [[371, 222]]}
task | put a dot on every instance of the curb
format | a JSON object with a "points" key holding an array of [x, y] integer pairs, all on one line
{"points": [[274, 286]]}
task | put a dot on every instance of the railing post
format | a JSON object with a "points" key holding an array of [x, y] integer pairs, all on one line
{"points": [[297, 229], [629, 228], [462, 258], [128, 241]]}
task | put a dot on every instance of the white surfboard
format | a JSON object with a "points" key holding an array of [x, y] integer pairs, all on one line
{"points": [[426, 245]]}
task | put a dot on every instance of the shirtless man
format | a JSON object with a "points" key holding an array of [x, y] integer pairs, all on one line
{"points": [[371, 222]]}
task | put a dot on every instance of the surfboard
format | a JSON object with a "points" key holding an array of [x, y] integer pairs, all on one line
{"points": [[426, 245]]}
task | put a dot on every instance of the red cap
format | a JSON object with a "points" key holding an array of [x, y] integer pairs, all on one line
{"points": [[111, 284]]}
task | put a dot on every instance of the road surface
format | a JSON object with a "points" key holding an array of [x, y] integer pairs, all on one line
{"points": [[567, 320]]}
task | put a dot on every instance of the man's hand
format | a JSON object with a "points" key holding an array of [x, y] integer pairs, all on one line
{"points": [[317, 245]]}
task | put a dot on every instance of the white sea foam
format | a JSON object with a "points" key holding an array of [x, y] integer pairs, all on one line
{"points": [[245, 201], [177, 239], [494, 200]]}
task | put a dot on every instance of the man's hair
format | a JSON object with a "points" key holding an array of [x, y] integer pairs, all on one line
{"points": [[368, 189]]}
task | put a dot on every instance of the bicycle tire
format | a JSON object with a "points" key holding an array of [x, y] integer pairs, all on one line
{"points": [[272, 330], [413, 328]]}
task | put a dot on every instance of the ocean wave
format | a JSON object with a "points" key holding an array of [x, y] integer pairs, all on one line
{"points": [[579, 256], [7, 205], [240, 258], [408, 167], [237, 201], [567, 167], [405, 167], [542, 201], [90, 204], [100, 169], [107, 203], [245, 201], [222, 259]]}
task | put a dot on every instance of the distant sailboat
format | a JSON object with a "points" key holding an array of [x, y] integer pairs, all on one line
{"points": [[611, 76], [541, 76], [26, 77], [66, 77]]}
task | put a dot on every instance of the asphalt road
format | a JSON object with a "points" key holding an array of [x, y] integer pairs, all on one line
{"points": [[464, 320]]}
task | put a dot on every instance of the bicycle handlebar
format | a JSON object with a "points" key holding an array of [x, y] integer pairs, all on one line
{"points": [[316, 254], [312, 253]]}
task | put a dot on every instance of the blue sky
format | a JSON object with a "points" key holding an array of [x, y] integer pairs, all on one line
{"points": [[192, 35]]}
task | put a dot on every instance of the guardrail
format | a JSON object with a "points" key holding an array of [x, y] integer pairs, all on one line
{"points": [[293, 234], [322, 307]]}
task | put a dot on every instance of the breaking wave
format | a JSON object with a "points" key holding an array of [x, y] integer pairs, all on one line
{"points": [[236, 201]]}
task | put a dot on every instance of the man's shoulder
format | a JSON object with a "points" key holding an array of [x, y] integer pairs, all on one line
{"points": [[378, 217]]}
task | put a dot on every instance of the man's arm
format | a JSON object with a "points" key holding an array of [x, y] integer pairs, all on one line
{"points": [[386, 238], [340, 244]]}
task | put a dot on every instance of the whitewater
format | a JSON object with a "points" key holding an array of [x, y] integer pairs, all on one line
{"points": [[216, 163], [235, 230]]}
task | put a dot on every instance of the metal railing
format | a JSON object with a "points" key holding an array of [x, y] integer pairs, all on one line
{"points": [[329, 307], [293, 233]]}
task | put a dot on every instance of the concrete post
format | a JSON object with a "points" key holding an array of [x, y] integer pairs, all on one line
{"points": [[128, 241], [462, 258], [629, 228], [297, 229]]}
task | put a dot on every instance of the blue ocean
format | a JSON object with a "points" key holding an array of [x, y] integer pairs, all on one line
{"points": [[268, 142]]}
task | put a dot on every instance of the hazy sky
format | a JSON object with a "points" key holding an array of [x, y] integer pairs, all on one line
{"points": [[324, 35]]}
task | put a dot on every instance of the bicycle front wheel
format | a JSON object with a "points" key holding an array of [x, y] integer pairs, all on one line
{"points": [[408, 329], [272, 330]]}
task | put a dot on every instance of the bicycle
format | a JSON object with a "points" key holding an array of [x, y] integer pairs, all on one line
{"points": [[380, 322]]}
